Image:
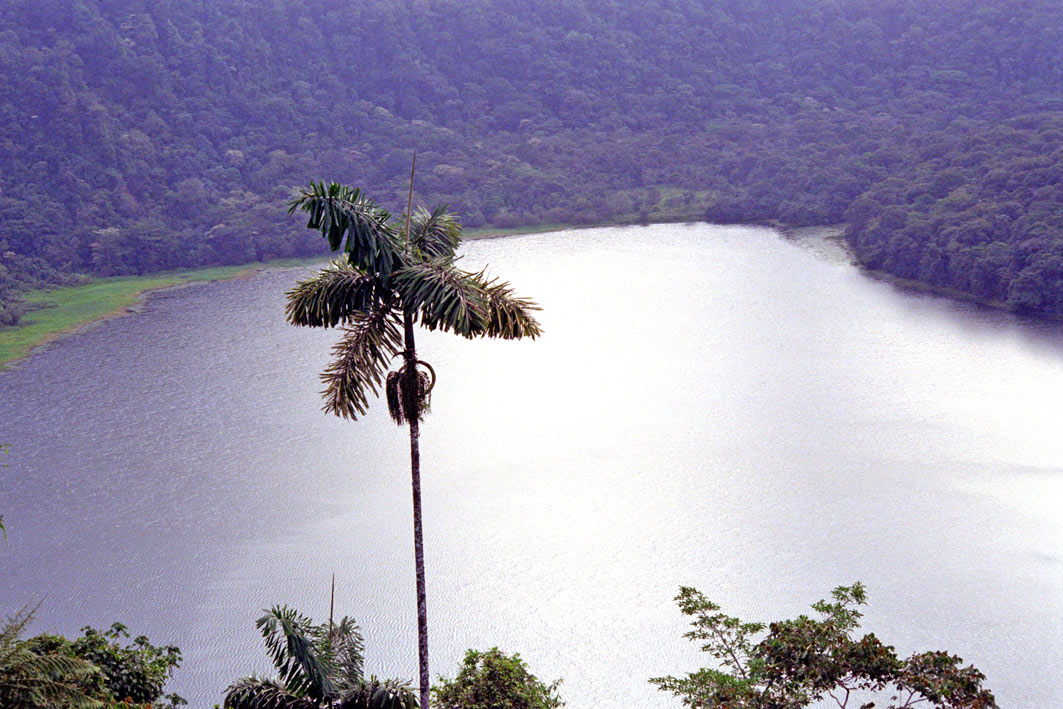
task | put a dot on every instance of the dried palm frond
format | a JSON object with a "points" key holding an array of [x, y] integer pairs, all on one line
{"points": [[360, 359]]}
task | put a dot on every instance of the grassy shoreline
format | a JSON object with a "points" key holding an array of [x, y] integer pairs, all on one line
{"points": [[63, 311]]}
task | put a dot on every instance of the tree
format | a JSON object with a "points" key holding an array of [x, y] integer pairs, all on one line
{"points": [[130, 676], [494, 680], [388, 281], [42, 680], [318, 666], [798, 662]]}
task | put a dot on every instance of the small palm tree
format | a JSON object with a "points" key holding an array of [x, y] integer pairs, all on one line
{"points": [[318, 667], [30, 680], [390, 279]]}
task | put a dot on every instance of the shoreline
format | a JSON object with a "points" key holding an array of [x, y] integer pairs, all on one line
{"points": [[119, 296], [73, 309], [125, 295]]}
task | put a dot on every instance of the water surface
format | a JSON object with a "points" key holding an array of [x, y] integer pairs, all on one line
{"points": [[711, 406]]}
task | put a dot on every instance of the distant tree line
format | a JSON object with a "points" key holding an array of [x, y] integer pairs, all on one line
{"points": [[143, 135]]}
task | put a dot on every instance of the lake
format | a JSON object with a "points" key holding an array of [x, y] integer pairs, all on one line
{"points": [[711, 406]]}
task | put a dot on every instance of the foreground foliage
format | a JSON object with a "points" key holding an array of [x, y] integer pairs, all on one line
{"points": [[318, 667], [800, 661], [96, 671], [31, 679], [131, 673], [494, 680]]}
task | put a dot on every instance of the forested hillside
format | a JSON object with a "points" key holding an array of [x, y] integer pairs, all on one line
{"points": [[141, 135]]}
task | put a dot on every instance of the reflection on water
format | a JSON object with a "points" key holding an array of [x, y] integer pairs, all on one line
{"points": [[713, 406]]}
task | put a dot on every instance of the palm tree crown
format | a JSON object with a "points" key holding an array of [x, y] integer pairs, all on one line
{"points": [[383, 278]]}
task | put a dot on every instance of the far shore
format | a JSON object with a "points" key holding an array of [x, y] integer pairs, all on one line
{"points": [[60, 312], [64, 311]]}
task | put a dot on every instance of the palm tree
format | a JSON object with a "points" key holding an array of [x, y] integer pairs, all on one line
{"points": [[388, 280], [318, 666]]}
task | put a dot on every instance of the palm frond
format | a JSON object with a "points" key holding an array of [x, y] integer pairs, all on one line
{"points": [[435, 234], [333, 296], [254, 693], [360, 359], [375, 693], [348, 218], [344, 649], [445, 297], [509, 317], [289, 640]]}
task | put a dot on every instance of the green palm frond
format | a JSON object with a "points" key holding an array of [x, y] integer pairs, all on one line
{"points": [[333, 296], [509, 317], [375, 693], [445, 297], [253, 693], [348, 218], [435, 234], [289, 640], [344, 649], [360, 360]]}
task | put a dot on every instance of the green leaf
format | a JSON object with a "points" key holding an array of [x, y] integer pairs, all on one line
{"points": [[348, 218], [334, 295], [445, 297]]}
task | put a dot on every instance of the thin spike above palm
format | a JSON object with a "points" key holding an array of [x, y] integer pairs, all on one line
{"points": [[393, 275]]}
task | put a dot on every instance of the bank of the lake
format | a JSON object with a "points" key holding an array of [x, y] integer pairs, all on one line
{"points": [[62, 311]]}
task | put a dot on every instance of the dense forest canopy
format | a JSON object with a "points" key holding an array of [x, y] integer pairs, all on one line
{"points": [[144, 135]]}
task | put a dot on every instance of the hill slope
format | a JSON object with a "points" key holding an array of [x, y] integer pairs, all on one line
{"points": [[141, 135]]}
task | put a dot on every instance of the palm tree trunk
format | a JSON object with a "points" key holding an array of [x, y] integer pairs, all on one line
{"points": [[418, 539]]}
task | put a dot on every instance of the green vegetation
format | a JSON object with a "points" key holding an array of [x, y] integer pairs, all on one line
{"points": [[392, 276], [318, 667], [62, 310], [40, 681], [494, 680], [138, 137], [798, 662], [95, 671], [131, 675]]}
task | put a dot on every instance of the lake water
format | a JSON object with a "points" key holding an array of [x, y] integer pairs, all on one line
{"points": [[710, 406]]}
